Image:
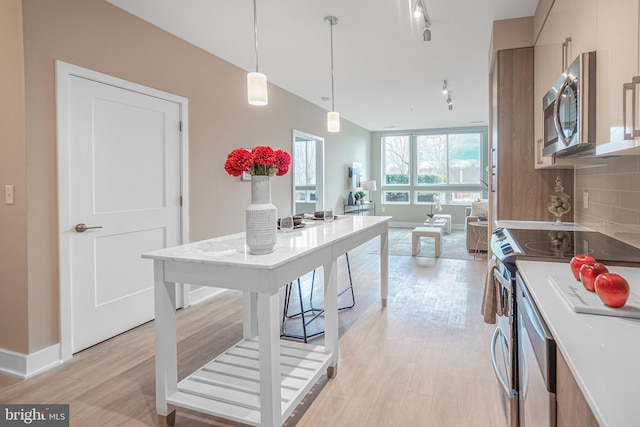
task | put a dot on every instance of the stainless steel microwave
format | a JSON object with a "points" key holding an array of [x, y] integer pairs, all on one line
{"points": [[570, 110]]}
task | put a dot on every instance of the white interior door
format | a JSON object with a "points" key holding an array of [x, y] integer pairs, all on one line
{"points": [[124, 180]]}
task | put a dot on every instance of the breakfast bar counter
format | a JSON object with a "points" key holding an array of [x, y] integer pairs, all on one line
{"points": [[260, 380]]}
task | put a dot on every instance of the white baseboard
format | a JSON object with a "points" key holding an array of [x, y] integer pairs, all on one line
{"points": [[27, 365], [203, 293]]}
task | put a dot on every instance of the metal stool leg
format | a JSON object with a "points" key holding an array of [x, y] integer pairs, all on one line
{"points": [[317, 312], [285, 315], [348, 288]]}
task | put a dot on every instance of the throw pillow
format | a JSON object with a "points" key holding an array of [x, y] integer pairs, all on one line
{"points": [[480, 209]]}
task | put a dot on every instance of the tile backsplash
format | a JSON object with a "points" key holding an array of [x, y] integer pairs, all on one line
{"points": [[613, 191]]}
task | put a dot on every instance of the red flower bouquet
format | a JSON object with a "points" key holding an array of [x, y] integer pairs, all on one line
{"points": [[262, 160]]}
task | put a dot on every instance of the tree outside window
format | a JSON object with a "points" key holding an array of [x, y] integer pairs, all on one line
{"points": [[432, 159], [305, 163], [464, 158], [397, 160], [446, 163], [448, 158]]}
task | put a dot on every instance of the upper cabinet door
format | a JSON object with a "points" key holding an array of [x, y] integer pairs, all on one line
{"points": [[616, 64], [583, 28], [547, 63], [568, 31]]}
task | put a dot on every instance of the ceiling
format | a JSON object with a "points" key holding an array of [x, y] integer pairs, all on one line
{"points": [[386, 76]]}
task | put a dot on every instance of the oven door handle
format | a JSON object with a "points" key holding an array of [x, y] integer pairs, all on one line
{"points": [[505, 388], [504, 282]]}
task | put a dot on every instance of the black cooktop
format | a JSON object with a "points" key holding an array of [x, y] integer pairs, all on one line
{"points": [[559, 245]]}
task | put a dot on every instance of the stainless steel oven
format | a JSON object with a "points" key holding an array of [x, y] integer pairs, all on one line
{"points": [[536, 364], [504, 342], [521, 337]]}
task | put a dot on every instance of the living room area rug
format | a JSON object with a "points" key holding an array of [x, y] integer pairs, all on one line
{"points": [[453, 245]]}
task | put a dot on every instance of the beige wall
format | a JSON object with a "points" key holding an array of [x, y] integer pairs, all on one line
{"points": [[13, 171], [510, 34], [96, 35]]}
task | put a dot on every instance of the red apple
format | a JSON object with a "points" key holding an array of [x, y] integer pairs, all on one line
{"points": [[588, 274], [577, 261], [612, 289]]}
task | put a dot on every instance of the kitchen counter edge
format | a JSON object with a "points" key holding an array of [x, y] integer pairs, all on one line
{"points": [[602, 352]]}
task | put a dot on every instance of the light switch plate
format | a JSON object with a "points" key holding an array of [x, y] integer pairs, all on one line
{"points": [[585, 199], [8, 195]]}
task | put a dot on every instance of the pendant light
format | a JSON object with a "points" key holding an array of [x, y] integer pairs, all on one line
{"points": [[256, 82], [333, 117]]}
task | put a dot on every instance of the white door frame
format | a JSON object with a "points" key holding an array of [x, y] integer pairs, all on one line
{"points": [[64, 72]]}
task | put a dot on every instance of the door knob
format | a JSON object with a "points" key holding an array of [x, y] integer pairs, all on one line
{"points": [[81, 228]]}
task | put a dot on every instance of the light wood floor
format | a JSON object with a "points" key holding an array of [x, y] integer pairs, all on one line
{"points": [[421, 361]]}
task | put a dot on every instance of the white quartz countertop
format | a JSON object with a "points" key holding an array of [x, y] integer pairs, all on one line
{"points": [[231, 249], [540, 225], [603, 352]]}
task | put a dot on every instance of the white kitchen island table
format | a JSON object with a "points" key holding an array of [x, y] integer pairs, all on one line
{"points": [[260, 380]]}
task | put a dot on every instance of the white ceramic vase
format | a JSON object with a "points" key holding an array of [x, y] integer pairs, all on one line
{"points": [[261, 217]]}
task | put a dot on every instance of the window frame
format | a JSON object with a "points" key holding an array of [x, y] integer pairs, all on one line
{"points": [[413, 188]]}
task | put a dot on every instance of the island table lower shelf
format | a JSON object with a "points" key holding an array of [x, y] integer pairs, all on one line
{"points": [[229, 385]]}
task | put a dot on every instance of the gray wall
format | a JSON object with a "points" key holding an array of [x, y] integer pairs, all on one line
{"points": [[613, 189]]}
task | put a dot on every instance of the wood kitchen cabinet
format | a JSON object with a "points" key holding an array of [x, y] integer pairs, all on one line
{"points": [[518, 190], [616, 64], [569, 28], [568, 31], [547, 62], [572, 409]]}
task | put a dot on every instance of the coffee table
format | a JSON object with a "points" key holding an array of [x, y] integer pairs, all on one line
{"points": [[441, 223]]}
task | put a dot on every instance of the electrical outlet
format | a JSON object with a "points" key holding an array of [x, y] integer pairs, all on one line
{"points": [[585, 199], [383, 209], [8, 195]]}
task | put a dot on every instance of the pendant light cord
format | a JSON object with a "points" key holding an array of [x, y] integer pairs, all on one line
{"points": [[332, 20], [255, 32], [333, 107]]}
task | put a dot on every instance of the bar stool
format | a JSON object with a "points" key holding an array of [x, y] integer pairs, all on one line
{"points": [[312, 311]]}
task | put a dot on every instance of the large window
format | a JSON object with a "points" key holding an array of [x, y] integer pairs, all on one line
{"points": [[397, 157], [417, 166]]}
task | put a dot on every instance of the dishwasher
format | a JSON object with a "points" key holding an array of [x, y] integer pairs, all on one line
{"points": [[536, 363]]}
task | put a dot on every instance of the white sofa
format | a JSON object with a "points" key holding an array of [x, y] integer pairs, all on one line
{"points": [[476, 236]]}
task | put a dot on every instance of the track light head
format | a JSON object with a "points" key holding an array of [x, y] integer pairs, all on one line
{"points": [[426, 35], [445, 88]]}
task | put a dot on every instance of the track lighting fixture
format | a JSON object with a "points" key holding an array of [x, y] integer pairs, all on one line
{"points": [[333, 117], [256, 81], [420, 12], [446, 91]]}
